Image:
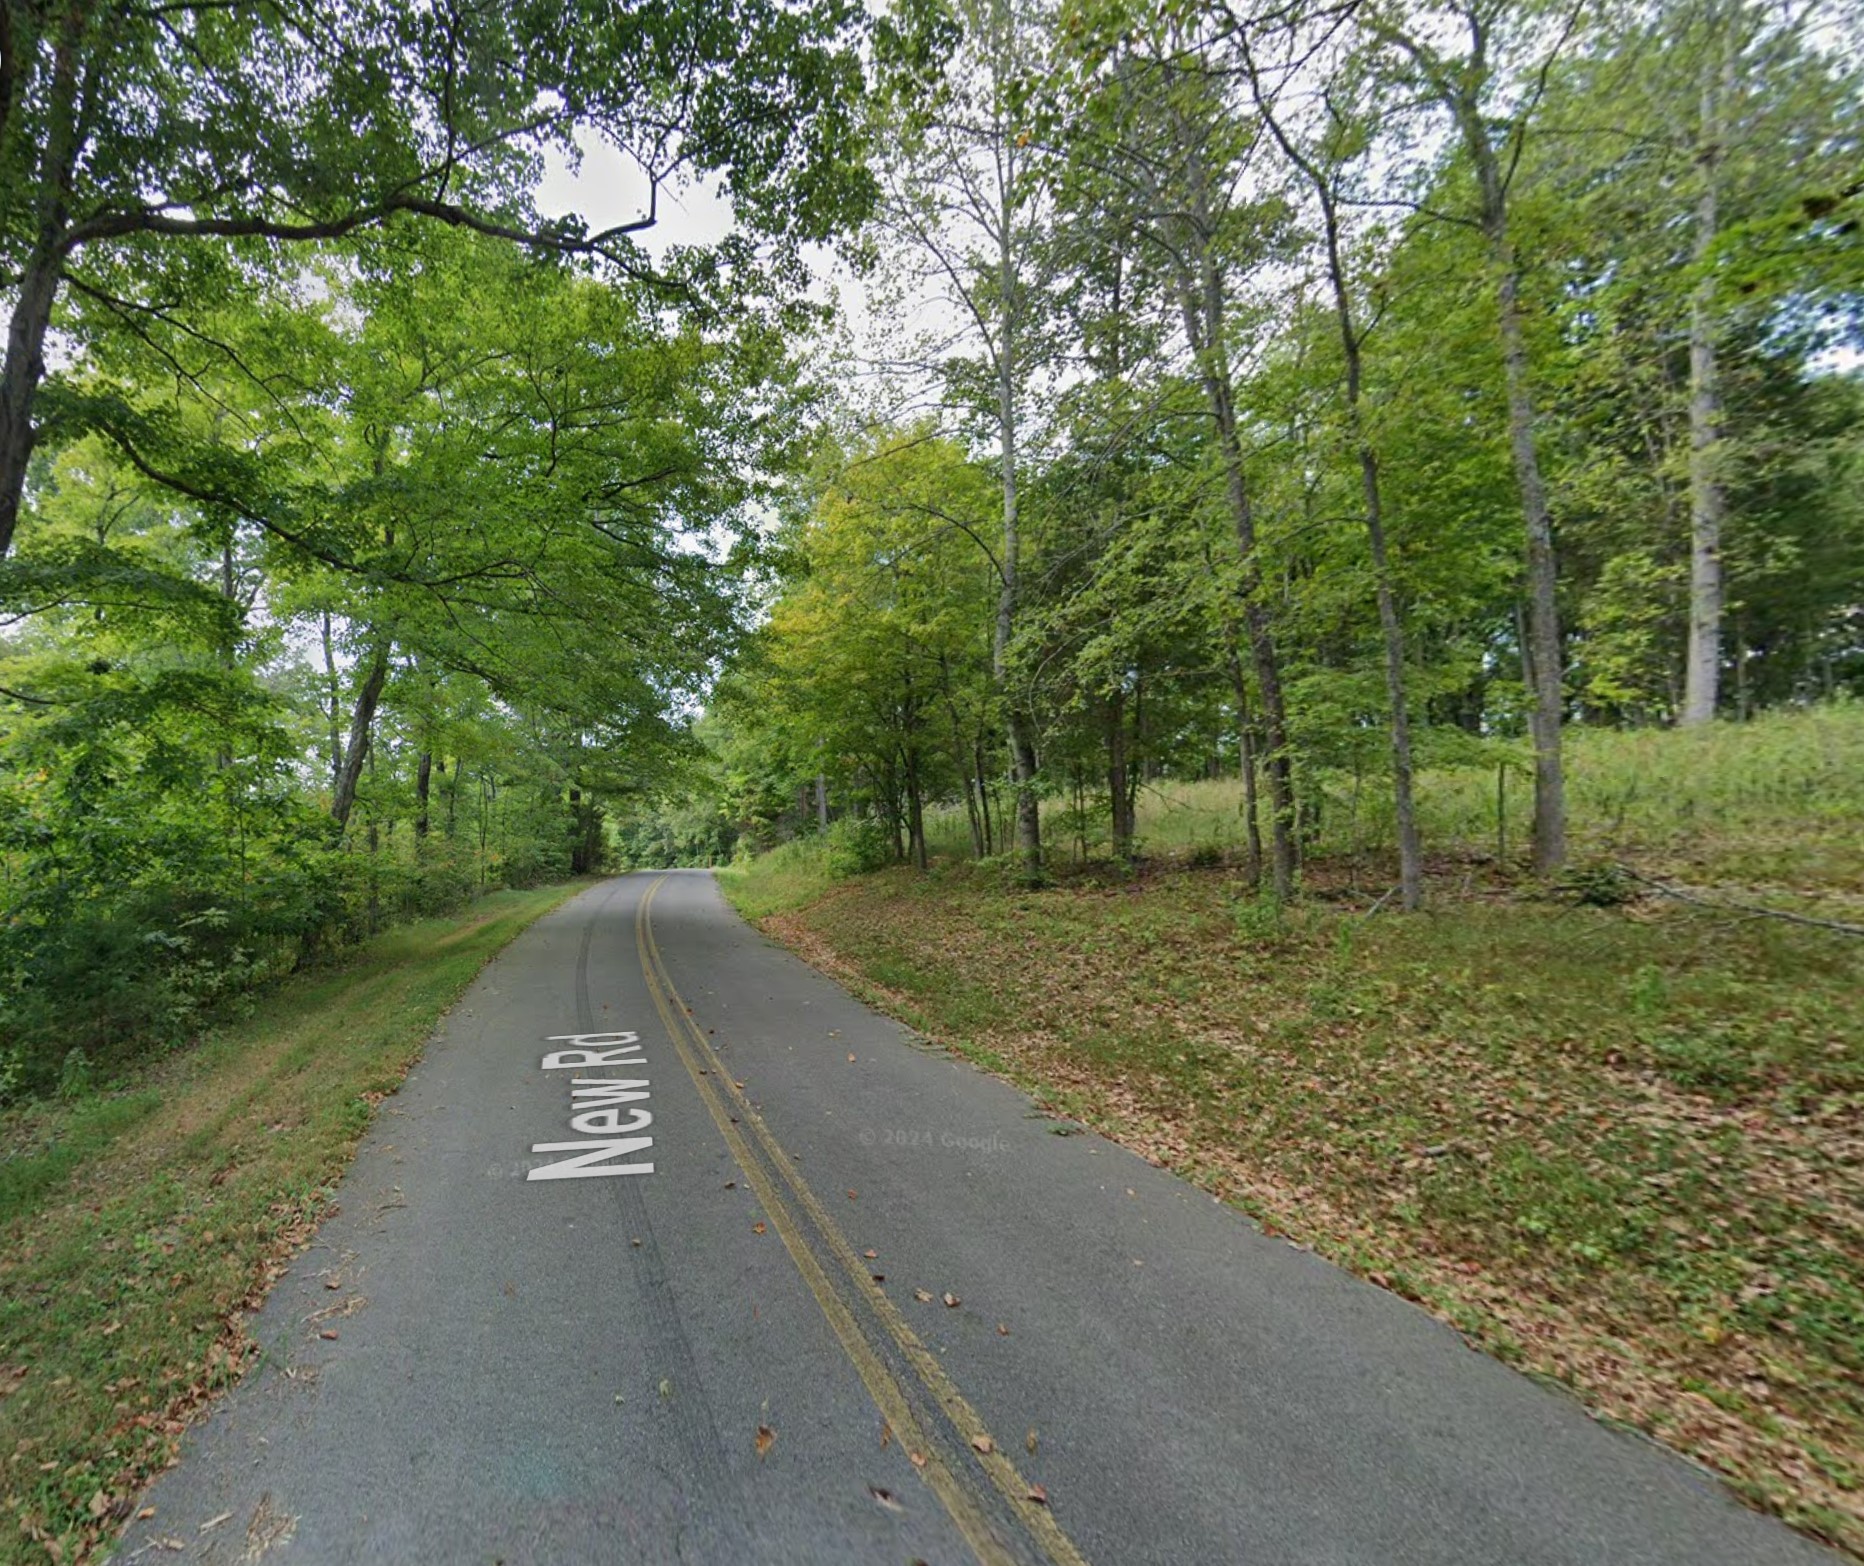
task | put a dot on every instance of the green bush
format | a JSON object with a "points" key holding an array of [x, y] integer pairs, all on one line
{"points": [[855, 846]]}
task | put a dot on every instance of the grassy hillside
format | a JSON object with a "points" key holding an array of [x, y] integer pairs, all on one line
{"points": [[138, 1225], [1616, 1145], [1776, 801]]}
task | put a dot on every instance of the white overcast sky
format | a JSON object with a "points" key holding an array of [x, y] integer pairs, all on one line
{"points": [[608, 189]]}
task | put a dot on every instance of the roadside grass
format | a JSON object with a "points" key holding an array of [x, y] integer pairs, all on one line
{"points": [[139, 1225], [1619, 1147], [789, 876], [1777, 802]]}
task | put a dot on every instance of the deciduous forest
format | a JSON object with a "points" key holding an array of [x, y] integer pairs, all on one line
{"points": [[1309, 400], [1160, 534]]}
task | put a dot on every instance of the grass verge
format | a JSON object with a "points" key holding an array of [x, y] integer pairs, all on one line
{"points": [[1621, 1148], [139, 1227], [1775, 803]]}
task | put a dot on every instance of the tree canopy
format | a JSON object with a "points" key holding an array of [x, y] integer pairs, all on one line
{"points": [[1307, 395]]}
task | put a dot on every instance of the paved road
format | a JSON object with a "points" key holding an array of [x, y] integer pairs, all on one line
{"points": [[741, 1349]]}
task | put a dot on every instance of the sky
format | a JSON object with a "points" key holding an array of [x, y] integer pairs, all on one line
{"points": [[608, 189]]}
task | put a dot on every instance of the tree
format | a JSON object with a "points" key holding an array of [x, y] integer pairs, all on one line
{"points": [[1491, 110], [1178, 156], [1343, 138], [153, 157], [961, 203]]}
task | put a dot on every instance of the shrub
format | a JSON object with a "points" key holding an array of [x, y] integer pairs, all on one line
{"points": [[856, 846]]}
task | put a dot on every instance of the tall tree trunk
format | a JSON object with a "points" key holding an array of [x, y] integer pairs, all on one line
{"points": [[1707, 496], [896, 819], [423, 778], [332, 693], [1410, 856], [1202, 304], [1542, 649], [1246, 766], [585, 834], [991, 829], [1279, 762], [361, 735], [915, 811], [1022, 740], [970, 810], [36, 292], [1543, 615], [19, 383], [1119, 782], [1410, 852], [958, 758], [1008, 366], [229, 646]]}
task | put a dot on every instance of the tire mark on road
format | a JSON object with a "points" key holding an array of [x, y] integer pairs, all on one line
{"points": [[716, 1505]]}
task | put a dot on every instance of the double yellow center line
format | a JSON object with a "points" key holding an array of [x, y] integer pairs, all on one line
{"points": [[781, 1191]]}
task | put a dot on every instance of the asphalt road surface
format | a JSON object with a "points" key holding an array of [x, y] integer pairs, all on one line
{"points": [[802, 1289]]}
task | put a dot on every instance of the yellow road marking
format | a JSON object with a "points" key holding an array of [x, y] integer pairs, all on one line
{"points": [[888, 1396], [1034, 1515]]}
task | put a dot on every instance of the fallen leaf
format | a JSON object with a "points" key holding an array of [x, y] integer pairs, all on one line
{"points": [[851, 1196], [758, 1227], [328, 1335], [731, 1185], [1003, 1329], [666, 1388], [870, 1255], [983, 1444], [885, 1497], [918, 1459], [851, 1060], [766, 1439], [952, 1302], [1038, 1495], [886, 1433], [269, 1526], [1029, 1441], [924, 1296], [635, 1243], [145, 1514]]}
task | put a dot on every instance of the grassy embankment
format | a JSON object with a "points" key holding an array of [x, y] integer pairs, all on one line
{"points": [[139, 1224], [1621, 1147]]}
